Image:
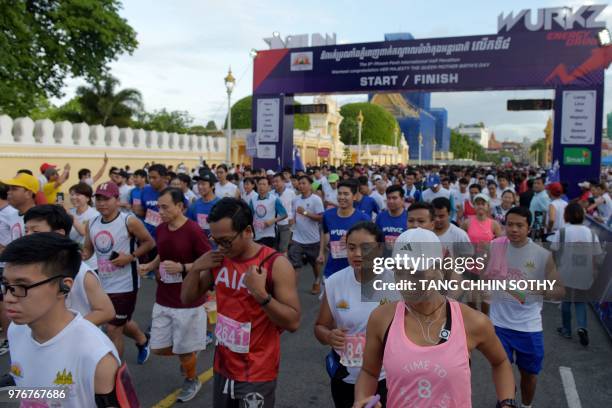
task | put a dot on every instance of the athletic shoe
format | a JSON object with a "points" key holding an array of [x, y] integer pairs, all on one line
{"points": [[563, 333], [4, 347], [316, 288], [189, 390], [6, 381], [584, 337], [144, 351]]}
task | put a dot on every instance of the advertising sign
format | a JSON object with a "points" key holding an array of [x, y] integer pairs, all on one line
{"points": [[578, 117]]}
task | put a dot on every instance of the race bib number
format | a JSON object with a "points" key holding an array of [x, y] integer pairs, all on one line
{"points": [[234, 335], [338, 249], [105, 267], [259, 225], [390, 239], [203, 221], [136, 201], [168, 277], [153, 218], [352, 355]]}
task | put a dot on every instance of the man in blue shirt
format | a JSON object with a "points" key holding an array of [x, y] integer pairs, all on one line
{"points": [[336, 222], [199, 210], [148, 209], [140, 181], [539, 206], [394, 220], [362, 201]]}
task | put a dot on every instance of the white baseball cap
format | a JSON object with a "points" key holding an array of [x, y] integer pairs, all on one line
{"points": [[377, 177], [416, 243], [270, 172], [482, 197], [584, 184]]}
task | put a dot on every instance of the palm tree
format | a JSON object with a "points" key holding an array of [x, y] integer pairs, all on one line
{"points": [[101, 105]]}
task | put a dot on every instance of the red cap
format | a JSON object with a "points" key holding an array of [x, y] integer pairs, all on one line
{"points": [[45, 166], [108, 190], [556, 189]]}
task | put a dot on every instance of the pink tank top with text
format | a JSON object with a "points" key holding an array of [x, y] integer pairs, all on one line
{"points": [[425, 377]]}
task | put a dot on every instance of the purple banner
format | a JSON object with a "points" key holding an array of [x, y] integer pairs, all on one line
{"points": [[509, 60]]}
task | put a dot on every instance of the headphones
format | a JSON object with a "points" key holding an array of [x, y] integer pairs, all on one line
{"points": [[63, 288]]}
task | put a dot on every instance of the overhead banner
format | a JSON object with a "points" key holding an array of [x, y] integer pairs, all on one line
{"points": [[507, 60]]}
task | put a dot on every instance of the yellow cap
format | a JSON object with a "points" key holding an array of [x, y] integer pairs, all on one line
{"points": [[23, 180]]}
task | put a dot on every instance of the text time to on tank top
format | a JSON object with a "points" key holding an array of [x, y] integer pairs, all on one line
{"points": [[248, 347]]}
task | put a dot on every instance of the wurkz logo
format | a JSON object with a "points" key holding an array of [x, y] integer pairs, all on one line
{"points": [[301, 61], [553, 18]]}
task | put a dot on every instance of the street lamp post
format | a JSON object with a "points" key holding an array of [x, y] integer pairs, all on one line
{"points": [[434, 151], [359, 127], [230, 81], [420, 146]]}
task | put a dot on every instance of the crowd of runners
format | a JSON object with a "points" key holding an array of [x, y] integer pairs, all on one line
{"points": [[225, 245]]}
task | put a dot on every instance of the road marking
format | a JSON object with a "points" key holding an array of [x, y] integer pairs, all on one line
{"points": [[569, 385], [171, 398]]}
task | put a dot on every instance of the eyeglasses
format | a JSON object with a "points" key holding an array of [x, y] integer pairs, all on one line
{"points": [[224, 242], [21, 291]]}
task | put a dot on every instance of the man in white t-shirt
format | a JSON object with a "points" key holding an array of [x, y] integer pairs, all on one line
{"points": [[223, 187], [603, 202], [455, 241], [379, 193], [306, 240], [435, 190], [39, 274], [286, 197]]}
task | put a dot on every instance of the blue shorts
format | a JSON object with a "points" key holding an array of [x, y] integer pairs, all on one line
{"points": [[524, 348]]}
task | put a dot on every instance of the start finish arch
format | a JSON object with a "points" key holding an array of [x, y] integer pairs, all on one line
{"points": [[561, 53]]}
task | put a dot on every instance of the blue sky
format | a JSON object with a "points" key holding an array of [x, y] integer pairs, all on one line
{"points": [[186, 47]]}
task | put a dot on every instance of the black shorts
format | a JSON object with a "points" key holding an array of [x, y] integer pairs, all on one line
{"points": [[235, 394], [301, 254], [124, 304], [267, 241]]}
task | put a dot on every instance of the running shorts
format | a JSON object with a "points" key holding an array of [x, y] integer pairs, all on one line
{"points": [[228, 393], [301, 254], [124, 304], [183, 329], [524, 348]]}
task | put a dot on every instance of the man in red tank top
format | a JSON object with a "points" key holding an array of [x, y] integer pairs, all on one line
{"points": [[256, 300]]}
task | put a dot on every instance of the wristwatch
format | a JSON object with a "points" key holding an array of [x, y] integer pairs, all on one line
{"points": [[507, 403], [267, 300]]}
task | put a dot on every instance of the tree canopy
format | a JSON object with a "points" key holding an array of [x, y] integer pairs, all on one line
{"points": [[378, 124], [242, 113], [463, 147], [42, 42], [165, 121]]}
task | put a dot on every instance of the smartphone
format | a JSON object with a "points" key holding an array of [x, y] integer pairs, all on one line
{"points": [[59, 198], [113, 255]]}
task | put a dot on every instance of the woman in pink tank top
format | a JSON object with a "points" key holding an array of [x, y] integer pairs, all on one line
{"points": [[424, 344], [482, 229]]}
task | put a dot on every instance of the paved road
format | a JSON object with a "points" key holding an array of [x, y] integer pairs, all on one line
{"points": [[303, 381]]}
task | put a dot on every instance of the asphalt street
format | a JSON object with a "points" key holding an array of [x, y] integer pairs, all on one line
{"points": [[303, 381]]}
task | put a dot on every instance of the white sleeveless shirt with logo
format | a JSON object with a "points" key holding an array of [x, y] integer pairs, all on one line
{"points": [[109, 237], [264, 209], [67, 360]]}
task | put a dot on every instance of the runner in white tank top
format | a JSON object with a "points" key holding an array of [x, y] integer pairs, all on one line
{"points": [[112, 236], [51, 346], [415, 339]]}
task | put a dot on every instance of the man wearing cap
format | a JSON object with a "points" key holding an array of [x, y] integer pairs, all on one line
{"points": [[112, 236], [585, 193], [379, 193], [435, 189], [21, 195], [55, 181], [200, 209], [42, 178], [556, 208], [331, 199], [119, 177]]}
